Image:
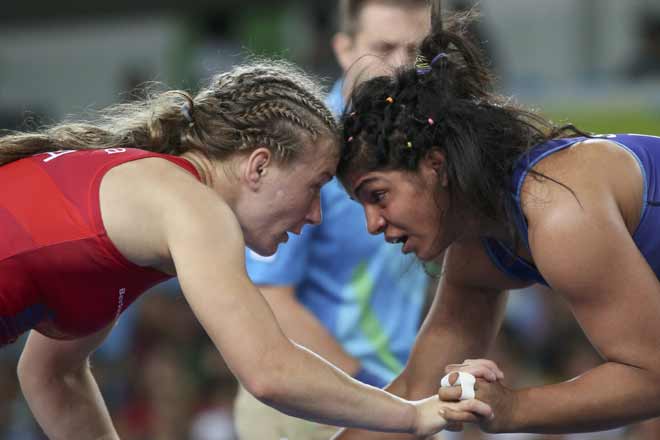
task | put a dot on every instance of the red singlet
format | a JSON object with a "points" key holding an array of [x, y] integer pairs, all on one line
{"points": [[59, 271]]}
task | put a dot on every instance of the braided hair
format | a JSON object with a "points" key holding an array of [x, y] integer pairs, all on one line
{"points": [[264, 103], [445, 102]]}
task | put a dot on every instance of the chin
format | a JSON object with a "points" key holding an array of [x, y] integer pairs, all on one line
{"points": [[263, 249], [429, 253], [421, 255]]}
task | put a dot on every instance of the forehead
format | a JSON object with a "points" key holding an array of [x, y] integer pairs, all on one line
{"points": [[404, 24], [318, 156]]}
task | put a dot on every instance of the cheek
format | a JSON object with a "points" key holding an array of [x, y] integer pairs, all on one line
{"points": [[428, 211], [296, 204]]}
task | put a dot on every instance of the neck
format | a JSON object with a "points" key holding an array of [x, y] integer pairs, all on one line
{"points": [[475, 226], [214, 174]]}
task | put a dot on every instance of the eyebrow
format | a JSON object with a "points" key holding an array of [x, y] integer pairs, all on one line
{"points": [[359, 188]]}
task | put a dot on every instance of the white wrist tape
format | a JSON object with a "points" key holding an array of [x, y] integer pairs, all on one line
{"points": [[465, 380]]}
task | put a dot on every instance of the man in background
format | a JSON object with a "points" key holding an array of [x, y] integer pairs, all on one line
{"points": [[335, 289]]}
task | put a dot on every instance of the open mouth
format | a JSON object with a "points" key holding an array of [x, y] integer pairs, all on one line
{"points": [[396, 240]]}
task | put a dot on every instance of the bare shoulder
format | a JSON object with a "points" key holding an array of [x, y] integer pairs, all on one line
{"points": [[141, 199], [595, 177], [593, 164], [588, 198]]}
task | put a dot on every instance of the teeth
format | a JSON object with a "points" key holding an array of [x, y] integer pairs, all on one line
{"points": [[395, 240]]}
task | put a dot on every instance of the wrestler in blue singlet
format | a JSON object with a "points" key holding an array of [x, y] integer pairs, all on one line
{"points": [[646, 149]]}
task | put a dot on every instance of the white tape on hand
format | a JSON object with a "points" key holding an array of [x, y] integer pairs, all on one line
{"points": [[465, 380]]}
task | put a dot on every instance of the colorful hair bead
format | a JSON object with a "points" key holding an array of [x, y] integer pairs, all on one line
{"points": [[389, 100], [409, 144], [431, 121], [350, 139]]}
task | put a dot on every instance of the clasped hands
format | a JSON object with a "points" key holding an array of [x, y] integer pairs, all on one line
{"points": [[488, 388]]}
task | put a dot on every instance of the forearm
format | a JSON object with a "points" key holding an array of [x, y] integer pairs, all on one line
{"points": [[68, 406], [317, 339], [606, 397], [303, 384], [461, 324]]}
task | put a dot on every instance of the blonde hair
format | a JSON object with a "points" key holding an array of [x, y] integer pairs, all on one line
{"points": [[264, 103]]}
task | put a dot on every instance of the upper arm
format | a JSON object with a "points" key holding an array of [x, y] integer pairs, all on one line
{"points": [[207, 248], [589, 257], [280, 298], [173, 222], [585, 251]]}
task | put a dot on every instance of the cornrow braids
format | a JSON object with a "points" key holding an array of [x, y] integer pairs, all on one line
{"points": [[268, 107], [264, 103], [273, 87], [393, 122]]}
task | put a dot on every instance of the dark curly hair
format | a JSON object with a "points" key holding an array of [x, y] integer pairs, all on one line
{"points": [[446, 102]]}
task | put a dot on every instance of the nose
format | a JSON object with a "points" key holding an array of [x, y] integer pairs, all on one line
{"points": [[375, 221], [315, 215]]}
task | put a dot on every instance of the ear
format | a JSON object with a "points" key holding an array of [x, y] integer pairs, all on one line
{"points": [[435, 162], [256, 166], [342, 46]]}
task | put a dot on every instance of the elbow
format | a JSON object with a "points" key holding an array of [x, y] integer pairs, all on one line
{"points": [[270, 383], [265, 387]]}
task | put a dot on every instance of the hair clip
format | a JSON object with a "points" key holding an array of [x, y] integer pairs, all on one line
{"points": [[186, 112], [439, 56], [389, 100], [423, 66]]}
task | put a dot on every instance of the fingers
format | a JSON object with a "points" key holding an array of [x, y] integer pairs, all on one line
{"points": [[482, 368], [474, 406], [453, 377], [453, 417], [466, 411], [450, 394]]}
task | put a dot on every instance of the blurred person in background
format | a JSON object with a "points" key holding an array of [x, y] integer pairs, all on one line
{"points": [[336, 289], [442, 163], [99, 211], [646, 63]]}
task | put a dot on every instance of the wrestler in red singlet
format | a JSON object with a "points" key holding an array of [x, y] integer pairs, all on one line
{"points": [[59, 271]]}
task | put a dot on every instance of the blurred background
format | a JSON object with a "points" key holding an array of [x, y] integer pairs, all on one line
{"points": [[595, 63]]}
